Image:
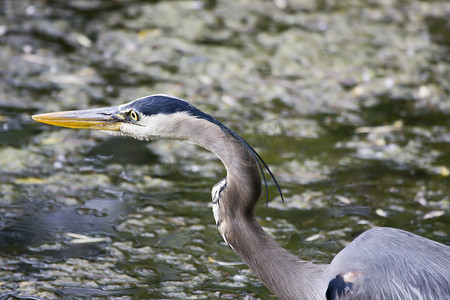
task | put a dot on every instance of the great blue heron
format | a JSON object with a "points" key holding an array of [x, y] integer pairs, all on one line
{"points": [[381, 263]]}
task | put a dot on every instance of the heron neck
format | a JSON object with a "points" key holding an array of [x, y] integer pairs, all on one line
{"points": [[287, 276], [284, 274]]}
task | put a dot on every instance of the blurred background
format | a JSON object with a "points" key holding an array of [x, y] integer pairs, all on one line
{"points": [[347, 101]]}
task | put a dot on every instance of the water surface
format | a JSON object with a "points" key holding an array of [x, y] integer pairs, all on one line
{"points": [[348, 104]]}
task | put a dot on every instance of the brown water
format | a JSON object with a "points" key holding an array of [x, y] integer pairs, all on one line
{"points": [[348, 104]]}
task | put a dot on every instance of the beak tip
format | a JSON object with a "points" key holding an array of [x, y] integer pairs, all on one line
{"points": [[36, 118]]}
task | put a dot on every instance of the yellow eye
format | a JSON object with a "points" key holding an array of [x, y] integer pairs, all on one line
{"points": [[134, 115]]}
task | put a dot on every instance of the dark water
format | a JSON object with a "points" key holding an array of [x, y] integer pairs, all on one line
{"points": [[348, 104]]}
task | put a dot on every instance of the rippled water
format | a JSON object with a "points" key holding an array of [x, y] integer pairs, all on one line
{"points": [[348, 104]]}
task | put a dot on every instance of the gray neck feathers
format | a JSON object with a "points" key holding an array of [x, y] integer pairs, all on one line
{"points": [[284, 274]]}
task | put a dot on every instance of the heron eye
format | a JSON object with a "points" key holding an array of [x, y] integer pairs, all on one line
{"points": [[134, 115]]}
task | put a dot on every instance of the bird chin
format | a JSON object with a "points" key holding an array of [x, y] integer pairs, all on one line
{"points": [[125, 134]]}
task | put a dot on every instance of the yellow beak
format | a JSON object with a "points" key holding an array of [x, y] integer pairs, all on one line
{"points": [[108, 118]]}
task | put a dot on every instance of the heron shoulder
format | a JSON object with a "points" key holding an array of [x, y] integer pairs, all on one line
{"points": [[389, 263]]}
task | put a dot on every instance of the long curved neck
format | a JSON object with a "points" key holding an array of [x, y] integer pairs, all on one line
{"points": [[284, 274]]}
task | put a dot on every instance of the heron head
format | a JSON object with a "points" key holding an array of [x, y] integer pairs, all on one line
{"points": [[146, 118]]}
